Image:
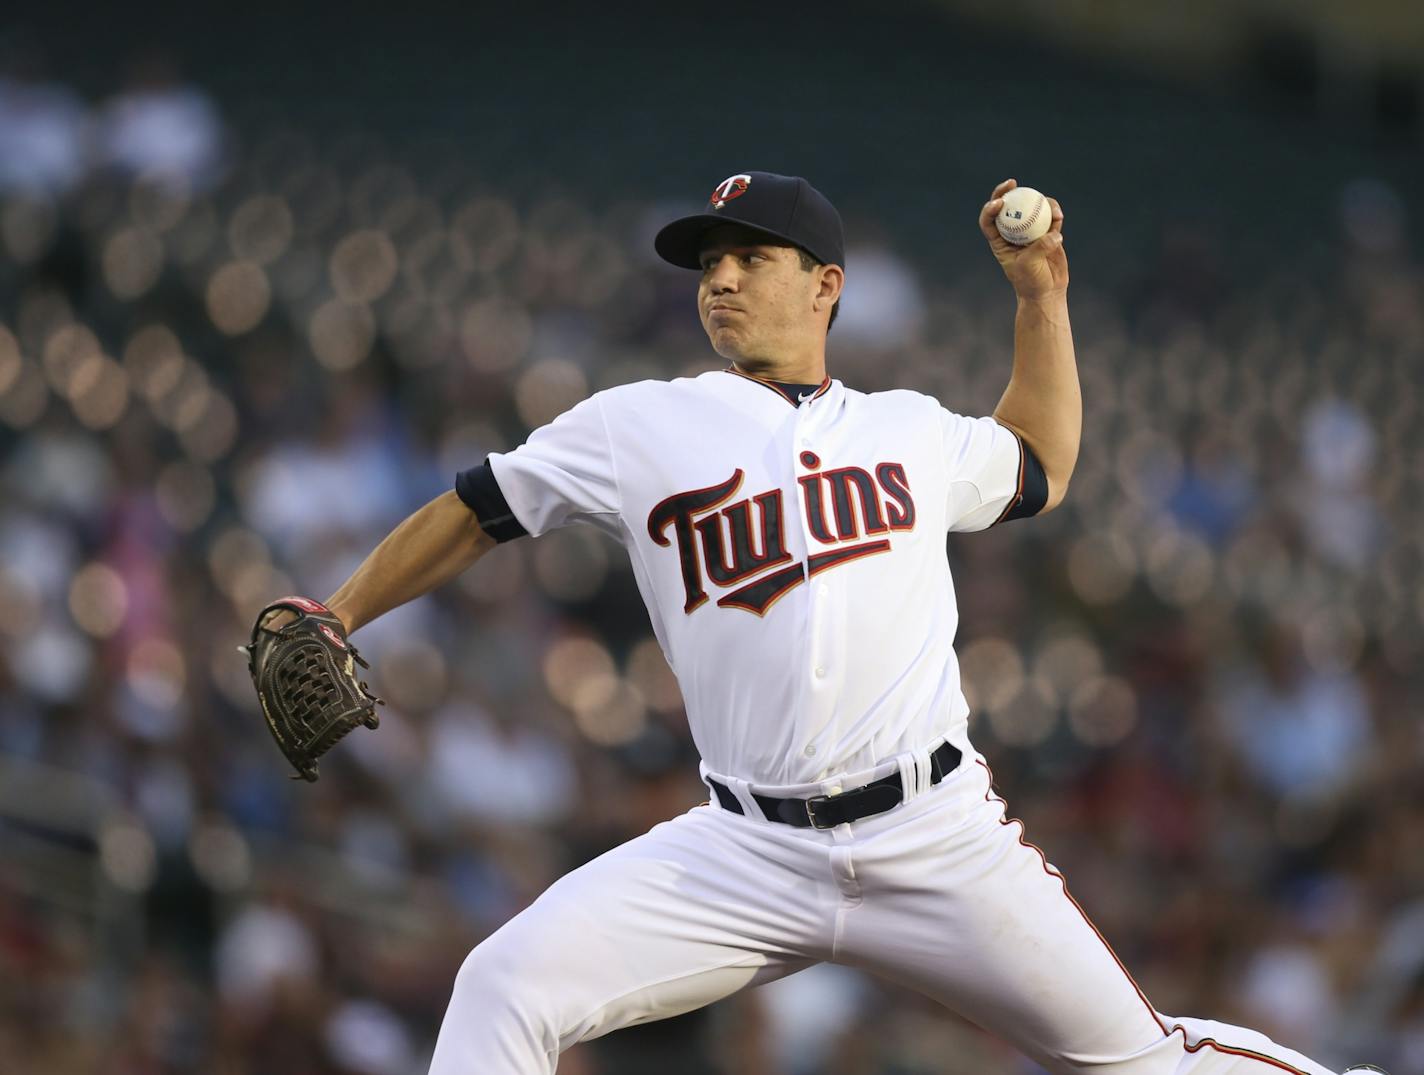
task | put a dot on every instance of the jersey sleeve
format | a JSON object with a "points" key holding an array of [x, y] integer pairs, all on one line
{"points": [[563, 473], [993, 476]]}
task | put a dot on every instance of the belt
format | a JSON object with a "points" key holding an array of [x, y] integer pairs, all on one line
{"points": [[828, 811]]}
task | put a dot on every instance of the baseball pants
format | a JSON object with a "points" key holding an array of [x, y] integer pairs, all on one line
{"points": [[941, 894]]}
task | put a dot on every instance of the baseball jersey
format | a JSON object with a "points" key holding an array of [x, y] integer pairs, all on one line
{"points": [[791, 552]]}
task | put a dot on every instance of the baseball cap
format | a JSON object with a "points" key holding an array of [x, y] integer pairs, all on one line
{"points": [[783, 206]]}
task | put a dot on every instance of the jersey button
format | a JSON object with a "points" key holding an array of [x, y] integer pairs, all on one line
{"points": [[810, 752], [820, 673]]}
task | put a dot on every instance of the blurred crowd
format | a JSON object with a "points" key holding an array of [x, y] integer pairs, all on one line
{"points": [[230, 363]]}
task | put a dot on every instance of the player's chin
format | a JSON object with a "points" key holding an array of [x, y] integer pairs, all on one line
{"points": [[727, 342]]}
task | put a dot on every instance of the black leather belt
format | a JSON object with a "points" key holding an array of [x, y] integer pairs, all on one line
{"points": [[828, 811]]}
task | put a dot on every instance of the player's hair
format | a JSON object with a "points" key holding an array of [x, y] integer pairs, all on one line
{"points": [[809, 262]]}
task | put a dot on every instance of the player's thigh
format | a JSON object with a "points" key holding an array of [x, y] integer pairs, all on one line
{"points": [[962, 909], [670, 921]]}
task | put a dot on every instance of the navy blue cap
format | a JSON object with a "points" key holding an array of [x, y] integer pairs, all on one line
{"points": [[785, 207]]}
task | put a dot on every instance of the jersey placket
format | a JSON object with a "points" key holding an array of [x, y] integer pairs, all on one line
{"points": [[820, 669]]}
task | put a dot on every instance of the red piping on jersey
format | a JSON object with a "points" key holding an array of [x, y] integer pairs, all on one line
{"points": [[1018, 493], [1052, 872], [777, 388]]}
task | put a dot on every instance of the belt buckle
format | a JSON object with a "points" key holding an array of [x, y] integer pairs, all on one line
{"points": [[811, 814]]}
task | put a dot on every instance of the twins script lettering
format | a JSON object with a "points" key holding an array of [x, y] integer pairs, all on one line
{"points": [[745, 541]]}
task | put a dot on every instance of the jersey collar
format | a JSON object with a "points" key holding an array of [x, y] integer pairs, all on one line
{"points": [[774, 387]]}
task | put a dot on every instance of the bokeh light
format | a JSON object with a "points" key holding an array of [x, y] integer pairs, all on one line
{"points": [[1028, 716], [24, 400], [342, 334], [128, 855], [363, 266], [1101, 567], [185, 493], [22, 601], [1103, 710], [234, 552], [649, 672], [485, 233], [1180, 566], [98, 599], [238, 297], [157, 673], [500, 576], [71, 356], [192, 240], [414, 676], [548, 388], [1067, 660], [991, 673], [43, 311], [212, 431], [261, 229], [579, 670], [221, 856], [610, 712], [132, 261], [572, 565], [10, 360], [159, 201], [495, 333], [183, 406], [153, 358], [101, 396]]}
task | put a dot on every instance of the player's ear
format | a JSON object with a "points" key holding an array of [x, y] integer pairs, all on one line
{"points": [[830, 280]]}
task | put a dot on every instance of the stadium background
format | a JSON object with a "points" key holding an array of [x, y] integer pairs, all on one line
{"points": [[267, 283]]}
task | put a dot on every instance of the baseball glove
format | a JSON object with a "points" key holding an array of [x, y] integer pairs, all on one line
{"points": [[305, 675]]}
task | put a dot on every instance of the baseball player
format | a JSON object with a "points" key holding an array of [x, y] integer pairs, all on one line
{"points": [[787, 534]]}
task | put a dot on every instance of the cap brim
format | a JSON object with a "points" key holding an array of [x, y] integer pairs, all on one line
{"points": [[680, 243]]}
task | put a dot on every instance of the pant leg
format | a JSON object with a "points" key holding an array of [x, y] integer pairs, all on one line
{"points": [[955, 903], [690, 912]]}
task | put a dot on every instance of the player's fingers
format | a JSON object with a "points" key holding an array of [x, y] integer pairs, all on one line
{"points": [[1056, 223], [986, 218], [1004, 187]]}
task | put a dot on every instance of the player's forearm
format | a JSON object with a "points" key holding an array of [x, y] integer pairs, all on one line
{"points": [[1043, 403], [428, 549]]}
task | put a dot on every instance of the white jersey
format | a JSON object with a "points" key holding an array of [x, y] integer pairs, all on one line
{"points": [[792, 557]]}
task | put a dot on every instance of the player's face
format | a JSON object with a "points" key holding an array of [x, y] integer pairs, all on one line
{"points": [[755, 300]]}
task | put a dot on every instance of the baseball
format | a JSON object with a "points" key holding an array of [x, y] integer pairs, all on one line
{"points": [[1024, 217]]}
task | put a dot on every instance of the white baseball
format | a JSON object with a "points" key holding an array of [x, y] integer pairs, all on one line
{"points": [[1025, 216]]}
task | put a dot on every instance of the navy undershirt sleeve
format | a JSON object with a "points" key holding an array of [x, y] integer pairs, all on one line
{"points": [[1034, 493], [481, 493]]}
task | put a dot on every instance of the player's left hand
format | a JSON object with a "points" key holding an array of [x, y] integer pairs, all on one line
{"points": [[304, 669], [1038, 270]]}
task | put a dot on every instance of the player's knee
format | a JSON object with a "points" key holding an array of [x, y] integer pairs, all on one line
{"points": [[495, 987]]}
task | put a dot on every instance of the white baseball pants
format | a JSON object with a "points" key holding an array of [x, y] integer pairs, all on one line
{"points": [[941, 894]]}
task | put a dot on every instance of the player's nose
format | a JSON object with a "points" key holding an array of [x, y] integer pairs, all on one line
{"points": [[722, 275]]}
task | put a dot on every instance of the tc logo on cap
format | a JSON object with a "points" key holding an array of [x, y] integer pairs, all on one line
{"points": [[733, 186]]}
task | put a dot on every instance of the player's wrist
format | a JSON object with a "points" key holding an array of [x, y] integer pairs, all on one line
{"points": [[343, 611], [1052, 300]]}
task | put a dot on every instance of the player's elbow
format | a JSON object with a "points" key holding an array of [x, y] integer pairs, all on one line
{"points": [[1057, 490]]}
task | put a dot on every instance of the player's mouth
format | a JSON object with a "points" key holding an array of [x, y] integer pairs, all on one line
{"points": [[718, 308]]}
